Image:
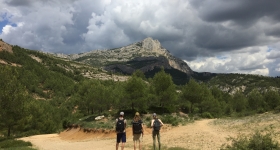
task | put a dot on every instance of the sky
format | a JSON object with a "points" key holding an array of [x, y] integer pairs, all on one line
{"points": [[218, 36]]}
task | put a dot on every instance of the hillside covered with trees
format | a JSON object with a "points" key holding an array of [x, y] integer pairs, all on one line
{"points": [[40, 94]]}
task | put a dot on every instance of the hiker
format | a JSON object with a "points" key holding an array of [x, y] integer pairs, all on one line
{"points": [[156, 124], [120, 130], [137, 130]]}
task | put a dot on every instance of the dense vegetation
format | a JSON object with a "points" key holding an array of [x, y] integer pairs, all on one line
{"points": [[43, 94]]}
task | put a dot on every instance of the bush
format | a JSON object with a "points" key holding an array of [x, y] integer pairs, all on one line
{"points": [[174, 121], [277, 109], [206, 115], [8, 143], [148, 119], [65, 124], [257, 141]]}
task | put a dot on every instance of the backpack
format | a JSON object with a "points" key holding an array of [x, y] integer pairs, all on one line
{"points": [[156, 125], [137, 127], [120, 125]]}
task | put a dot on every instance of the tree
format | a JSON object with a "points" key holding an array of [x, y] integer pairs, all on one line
{"points": [[218, 94], [117, 98], [239, 102], [12, 99], [85, 96], [98, 95], [192, 92], [255, 100], [272, 98], [140, 74], [135, 89], [164, 89]]}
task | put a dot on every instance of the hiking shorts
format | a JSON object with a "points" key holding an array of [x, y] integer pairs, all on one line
{"points": [[121, 137], [137, 137]]}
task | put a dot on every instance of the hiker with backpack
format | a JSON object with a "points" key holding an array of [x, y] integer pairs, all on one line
{"points": [[156, 124], [120, 130], [137, 130]]}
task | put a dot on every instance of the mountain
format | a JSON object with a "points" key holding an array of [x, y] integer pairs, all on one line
{"points": [[147, 50], [148, 56]]}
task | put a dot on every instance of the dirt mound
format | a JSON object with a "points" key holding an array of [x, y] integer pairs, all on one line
{"points": [[80, 134]]}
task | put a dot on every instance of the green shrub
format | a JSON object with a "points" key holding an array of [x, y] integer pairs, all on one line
{"points": [[11, 143], [29, 133], [206, 115], [174, 121], [277, 109], [257, 141], [148, 119]]}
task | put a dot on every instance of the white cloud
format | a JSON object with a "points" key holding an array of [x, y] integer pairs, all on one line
{"points": [[273, 54], [236, 62], [6, 29]]}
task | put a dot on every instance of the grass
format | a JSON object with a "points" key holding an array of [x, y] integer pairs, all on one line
{"points": [[250, 123], [13, 144], [18, 148], [260, 140]]}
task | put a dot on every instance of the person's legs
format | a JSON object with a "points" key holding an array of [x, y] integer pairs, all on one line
{"points": [[140, 146], [117, 146], [136, 139], [123, 145], [158, 138], [118, 140], [134, 145], [154, 139], [123, 140]]}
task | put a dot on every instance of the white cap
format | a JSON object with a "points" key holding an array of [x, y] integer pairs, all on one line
{"points": [[121, 113]]}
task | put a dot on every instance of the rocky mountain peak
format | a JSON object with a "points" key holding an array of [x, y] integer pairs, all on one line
{"points": [[145, 55], [150, 44]]}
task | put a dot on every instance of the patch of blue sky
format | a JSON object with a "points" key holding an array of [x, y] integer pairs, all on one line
{"points": [[3, 23], [269, 49], [222, 57], [4, 20]]}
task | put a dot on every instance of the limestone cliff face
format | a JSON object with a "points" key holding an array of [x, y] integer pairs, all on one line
{"points": [[147, 54], [151, 45]]}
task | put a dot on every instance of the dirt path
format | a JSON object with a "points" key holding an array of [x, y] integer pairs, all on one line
{"points": [[199, 135]]}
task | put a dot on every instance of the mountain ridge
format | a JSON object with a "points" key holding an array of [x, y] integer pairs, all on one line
{"points": [[148, 48]]}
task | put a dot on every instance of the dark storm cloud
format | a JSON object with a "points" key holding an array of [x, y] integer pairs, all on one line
{"points": [[219, 38], [19, 2], [252, 67], [274, 69], [243, 12], [273, 31]]}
